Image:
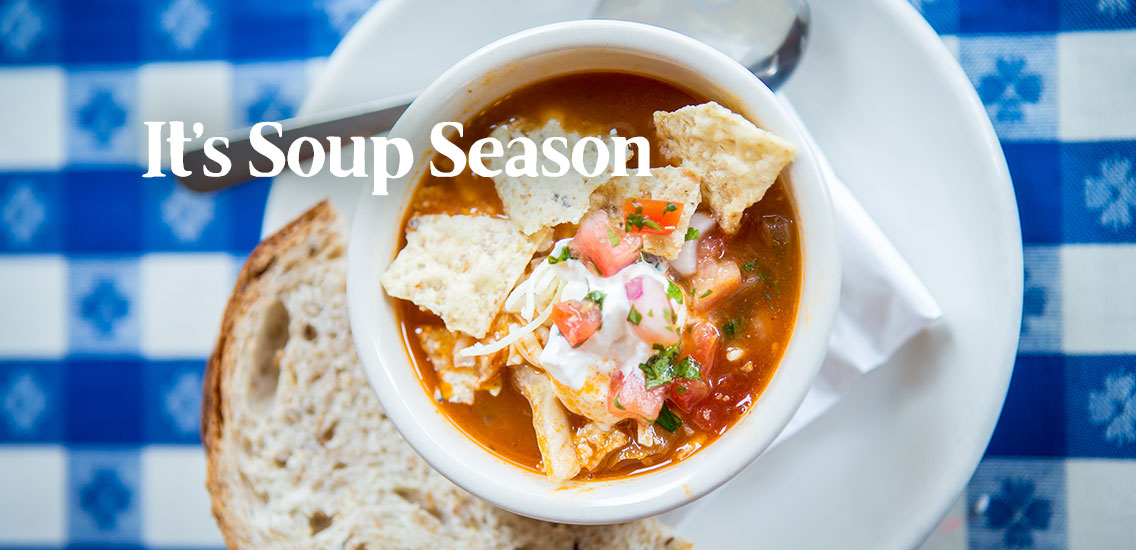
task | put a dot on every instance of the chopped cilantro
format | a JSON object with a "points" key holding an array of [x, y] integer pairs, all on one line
{"points": [[764, 276], [692, 233], [667, 419], [680, 389], [564, 256], [597, 297], [670, 207], [748, 266], [633, 316], [730, 329], [659, 368], [674, 292], [688, 369], [612, 237]]}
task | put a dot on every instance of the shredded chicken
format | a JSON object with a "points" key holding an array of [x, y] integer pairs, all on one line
{"points": [[550, 421], [594, 444], [456, 383], [646, 436]]}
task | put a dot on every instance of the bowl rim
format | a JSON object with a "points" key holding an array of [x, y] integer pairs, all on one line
{"points": [[495, 479]]}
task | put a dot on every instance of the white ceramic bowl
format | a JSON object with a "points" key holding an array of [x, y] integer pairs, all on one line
{"points": [[472, 84]]}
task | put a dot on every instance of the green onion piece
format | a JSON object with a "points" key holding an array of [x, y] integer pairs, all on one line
{"points": [[564, 256], [612, 237], [674, 292], [634, 316], [730, 329]]}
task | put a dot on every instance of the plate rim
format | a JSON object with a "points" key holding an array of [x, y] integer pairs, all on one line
{"points": [[917, 31]]}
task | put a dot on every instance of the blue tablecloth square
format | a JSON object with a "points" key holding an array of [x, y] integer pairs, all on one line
{"points": [[1098, 188], [104, 503], [185, 29], [1016, 78], [103, 306], [1101, 397], [172, 394], [103, 210], [104, 400], [31, 402], [1017, 503], [102, 121], [103, 32], [175, 218], [32, 212], [32, 33]]}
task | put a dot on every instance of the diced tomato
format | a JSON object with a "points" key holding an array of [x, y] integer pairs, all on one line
{"points": [[700, 344], [651, 216], [708, 417], [630, 398], [714, 280], [685, 394], [608, 247], [576, 320], [653, 318]]}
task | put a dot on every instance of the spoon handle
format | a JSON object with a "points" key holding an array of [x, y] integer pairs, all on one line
{"points": [[366, 119]]}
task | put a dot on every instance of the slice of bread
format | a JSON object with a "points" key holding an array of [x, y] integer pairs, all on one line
{"points": [[300, 455]]}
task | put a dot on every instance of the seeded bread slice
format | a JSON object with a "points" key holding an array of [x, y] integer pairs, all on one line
{"points": [[300, 455]]}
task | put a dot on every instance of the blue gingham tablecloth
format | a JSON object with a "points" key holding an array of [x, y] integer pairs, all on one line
{"points": [[111, 286]]}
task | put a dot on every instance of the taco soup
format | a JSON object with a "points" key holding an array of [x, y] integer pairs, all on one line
{"points": [[607, 326]]}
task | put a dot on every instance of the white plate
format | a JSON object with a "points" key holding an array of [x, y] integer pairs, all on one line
{"points": [[903, 127]]}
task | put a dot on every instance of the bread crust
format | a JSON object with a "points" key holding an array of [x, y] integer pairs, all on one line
{"points": [[245, 292]]}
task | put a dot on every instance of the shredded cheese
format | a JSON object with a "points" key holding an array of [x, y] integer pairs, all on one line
{"points": [[509, 339]]}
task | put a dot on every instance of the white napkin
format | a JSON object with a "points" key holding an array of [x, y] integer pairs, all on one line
{"points": [[883, 304]]}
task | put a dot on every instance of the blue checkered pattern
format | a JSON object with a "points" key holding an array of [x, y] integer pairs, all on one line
{"points": [[112, 286]]}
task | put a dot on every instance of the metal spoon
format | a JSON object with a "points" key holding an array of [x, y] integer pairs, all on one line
{"points": [[725, 24]]}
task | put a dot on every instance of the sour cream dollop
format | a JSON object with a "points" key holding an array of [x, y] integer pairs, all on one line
{"points": [[615, 340]]}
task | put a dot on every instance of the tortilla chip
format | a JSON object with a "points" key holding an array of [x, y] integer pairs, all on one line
{"points": [[737, 161], [461, 268], [535, 203], [678, 185], [457, 384]]}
